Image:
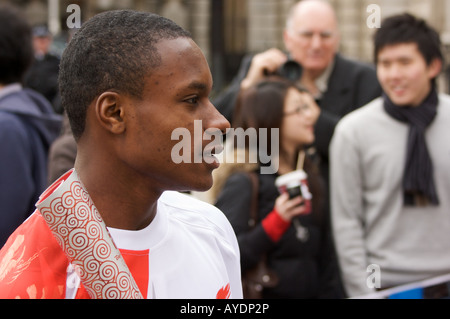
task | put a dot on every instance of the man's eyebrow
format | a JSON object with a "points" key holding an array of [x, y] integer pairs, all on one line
{"points": [[390, 59], [198, 86]]}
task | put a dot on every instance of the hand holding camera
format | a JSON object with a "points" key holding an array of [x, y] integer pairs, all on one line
{"points": [[271, 62]]}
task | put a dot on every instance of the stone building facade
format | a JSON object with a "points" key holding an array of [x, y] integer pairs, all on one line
{"points": [[228, 29]]}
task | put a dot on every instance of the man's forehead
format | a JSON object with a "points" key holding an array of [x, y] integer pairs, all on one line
{"points": [[315, 14], [175, 45], [396, 51], [179, 53], [183, 67], [197, 85]]}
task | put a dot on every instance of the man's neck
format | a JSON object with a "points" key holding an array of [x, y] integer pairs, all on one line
{"points": [[124, 202], [316, 81]]}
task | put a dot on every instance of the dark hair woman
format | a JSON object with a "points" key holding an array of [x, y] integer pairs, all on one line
{"points": [[295, 240]]}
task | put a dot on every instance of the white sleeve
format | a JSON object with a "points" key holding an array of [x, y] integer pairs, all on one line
{"points": [[225, 238], [231, 256], [347, 209]]}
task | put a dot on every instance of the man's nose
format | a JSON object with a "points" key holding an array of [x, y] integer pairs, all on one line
{"points": [[216, 121], [394, 71], [316, 41]]}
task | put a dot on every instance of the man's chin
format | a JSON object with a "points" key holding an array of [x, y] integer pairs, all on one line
{"points": [[202, 188], [197, 185]]}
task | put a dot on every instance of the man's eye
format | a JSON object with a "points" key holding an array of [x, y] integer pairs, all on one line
{"points": [[306, 34], [326, 35], [192, 100], [405, 61]]}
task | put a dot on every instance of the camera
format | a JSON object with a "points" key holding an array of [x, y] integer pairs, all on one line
{"points": [[290, 70]]}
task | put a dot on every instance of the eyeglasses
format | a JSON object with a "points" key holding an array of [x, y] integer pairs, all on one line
{"points": [[324, 35], [301, 109], [309, 35]]}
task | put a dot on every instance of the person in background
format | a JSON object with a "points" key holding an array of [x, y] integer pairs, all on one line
{"points": [[62, 153], [294, 237], [43, 73], [28, 126], [390, 168]]}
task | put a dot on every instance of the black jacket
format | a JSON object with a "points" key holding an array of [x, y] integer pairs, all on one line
{"points": [[28, 126], [305, 269]]}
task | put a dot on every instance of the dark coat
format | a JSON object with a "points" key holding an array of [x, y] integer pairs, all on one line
{"points": [[28, 126], [306, 270], [62, 153]]}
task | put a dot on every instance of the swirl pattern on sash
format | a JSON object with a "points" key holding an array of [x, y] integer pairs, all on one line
{"points": [[82, 234]]}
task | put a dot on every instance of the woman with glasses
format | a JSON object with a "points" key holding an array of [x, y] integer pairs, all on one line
{"points": [[294, 239]]}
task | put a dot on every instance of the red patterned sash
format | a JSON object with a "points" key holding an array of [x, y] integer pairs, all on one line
{"points": [[80, 231]]}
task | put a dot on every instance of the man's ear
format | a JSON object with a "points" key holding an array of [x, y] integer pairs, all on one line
{"points": [[287, 40], [434, 68], [110, 112]]}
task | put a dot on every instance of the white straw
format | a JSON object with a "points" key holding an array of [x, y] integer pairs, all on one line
{"points": [[301, 159]]}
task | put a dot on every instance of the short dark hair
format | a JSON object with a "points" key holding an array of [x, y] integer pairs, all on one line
{"points": [[16, 53], [406, 28], [115, 50]]}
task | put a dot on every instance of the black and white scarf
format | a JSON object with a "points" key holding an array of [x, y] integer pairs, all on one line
{"points": [[418, 181]]}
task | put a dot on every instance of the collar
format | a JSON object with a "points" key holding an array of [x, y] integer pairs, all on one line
{"points": [[322, 81]]}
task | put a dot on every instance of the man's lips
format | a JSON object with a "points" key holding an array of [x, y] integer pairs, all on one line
{"points": [[213, 149], [209, 152], [397, 88]]}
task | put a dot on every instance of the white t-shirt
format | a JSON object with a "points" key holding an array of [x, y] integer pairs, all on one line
{"points": [[190, 247]]}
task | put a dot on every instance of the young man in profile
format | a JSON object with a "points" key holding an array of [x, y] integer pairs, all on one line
{"points": [[127, 81], [390, 167]]}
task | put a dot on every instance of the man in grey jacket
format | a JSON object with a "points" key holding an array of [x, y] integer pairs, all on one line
{"points": [[390, 168]]}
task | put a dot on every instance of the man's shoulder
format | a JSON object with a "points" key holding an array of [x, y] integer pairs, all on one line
{"points": [[355, 79], [444, 109], [444, 99], [8, 117], [34, 234], [11, 124], [347, 63], [184, 202], [195, 212], [32, 264], [367, 111]]}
